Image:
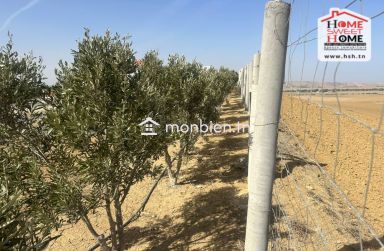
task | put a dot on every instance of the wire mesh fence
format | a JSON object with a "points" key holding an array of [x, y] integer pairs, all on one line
{"points": [[328, 188], [338, 183]]}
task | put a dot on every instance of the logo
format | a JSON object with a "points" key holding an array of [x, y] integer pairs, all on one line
{"points": [[149, 127], [344, 36]]}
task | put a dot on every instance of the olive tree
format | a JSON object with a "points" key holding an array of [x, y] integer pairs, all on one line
{"points": [[25, 221], [99, 151]]}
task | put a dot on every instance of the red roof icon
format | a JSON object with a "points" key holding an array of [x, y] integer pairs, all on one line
{"points": [[335, 13]]}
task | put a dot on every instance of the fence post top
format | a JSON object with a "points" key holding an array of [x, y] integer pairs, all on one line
{"points": [[277, 3]]}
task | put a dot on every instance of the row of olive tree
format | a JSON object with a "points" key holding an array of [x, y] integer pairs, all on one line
{"points": [[70, 149], [180, 92]]}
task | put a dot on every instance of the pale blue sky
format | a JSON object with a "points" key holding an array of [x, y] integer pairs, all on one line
{"points": [[215, 32]]}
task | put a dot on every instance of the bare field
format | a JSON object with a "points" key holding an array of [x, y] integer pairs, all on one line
{"points": [[367, 107], [347, 153]]}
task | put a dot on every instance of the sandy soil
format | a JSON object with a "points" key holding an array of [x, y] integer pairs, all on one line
{"points": [[366, 107], [351, 163], [309, 212]]}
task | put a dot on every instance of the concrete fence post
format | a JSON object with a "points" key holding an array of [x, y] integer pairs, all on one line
{"points": [[240, 83], [239, 80], [265, 126], [250, 84], [246, 88], [244, 84], [255, 80]]}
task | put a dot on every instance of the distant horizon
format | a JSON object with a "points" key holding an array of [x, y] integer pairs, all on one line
{"points": [[337, 83]]}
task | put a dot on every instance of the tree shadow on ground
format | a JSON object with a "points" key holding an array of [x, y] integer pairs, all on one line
{"points": [[233, 112], [216, 161], [234, 120], [217, 144], [212, 221], [223, 157], [372, 244]]}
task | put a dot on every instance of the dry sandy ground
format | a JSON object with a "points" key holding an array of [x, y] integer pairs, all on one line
{"points": [[309, 212], [366, 107], [208, 210], [350, 165]]}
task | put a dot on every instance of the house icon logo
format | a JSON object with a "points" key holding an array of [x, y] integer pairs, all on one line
{"points": [[344, 36], [149, 127]]}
